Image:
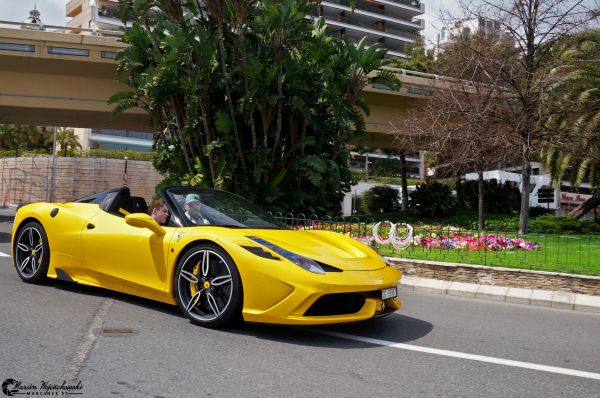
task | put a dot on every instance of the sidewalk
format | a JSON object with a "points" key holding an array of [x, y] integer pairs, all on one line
{"points": [[543, 298]]}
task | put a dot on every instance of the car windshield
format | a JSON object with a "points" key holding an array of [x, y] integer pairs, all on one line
{"points": [[203, 206]]}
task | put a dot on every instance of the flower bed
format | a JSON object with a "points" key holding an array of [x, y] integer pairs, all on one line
{"points": [[484, 242], [426, 236]]}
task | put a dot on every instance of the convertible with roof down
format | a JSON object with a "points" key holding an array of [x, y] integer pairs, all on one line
{"points": [[218, 257]]}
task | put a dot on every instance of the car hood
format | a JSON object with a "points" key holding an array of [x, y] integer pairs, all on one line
{"points": [[330, 248]]}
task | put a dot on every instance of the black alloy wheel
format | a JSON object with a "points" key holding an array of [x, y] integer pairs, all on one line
{"points": [[208, 287], [32, 253]]}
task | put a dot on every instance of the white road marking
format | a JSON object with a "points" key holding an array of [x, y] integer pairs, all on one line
{"points": [[463, 355], [4, 255]]}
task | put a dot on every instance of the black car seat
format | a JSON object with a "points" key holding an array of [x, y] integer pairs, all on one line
{"points": [[136, 204]]}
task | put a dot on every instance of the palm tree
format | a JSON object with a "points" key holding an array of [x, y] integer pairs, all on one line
{"points": [[576, 143], [68, 141]]}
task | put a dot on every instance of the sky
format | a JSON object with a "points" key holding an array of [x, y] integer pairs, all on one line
{"points": [[52, 12]]}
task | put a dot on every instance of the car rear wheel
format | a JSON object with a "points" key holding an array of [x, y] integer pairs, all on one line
{"points": [[208, 287], [32, 253]]}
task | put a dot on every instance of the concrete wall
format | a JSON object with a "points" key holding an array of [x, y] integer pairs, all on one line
{"points": [[28, 179]]}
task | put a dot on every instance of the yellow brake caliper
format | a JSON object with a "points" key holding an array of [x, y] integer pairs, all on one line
{"points": [[194, 286]]}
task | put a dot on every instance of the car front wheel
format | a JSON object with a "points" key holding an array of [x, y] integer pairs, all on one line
{"points": [[32, 253], [208, 286]]}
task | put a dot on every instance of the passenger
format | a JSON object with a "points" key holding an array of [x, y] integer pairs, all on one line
{"points": [[192, 208], [159, 212]]}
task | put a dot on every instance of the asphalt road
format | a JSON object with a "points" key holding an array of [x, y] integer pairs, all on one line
{"points": [[435, 346]]}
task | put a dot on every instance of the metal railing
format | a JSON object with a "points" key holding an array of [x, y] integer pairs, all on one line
{"points": [[579, 254], [66, 29]]}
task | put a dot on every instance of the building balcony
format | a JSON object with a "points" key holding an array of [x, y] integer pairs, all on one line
{"points": [[370, 31], [73, 7], [371, 15], [401, 9]]}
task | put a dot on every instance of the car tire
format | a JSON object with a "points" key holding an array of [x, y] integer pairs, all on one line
{"points": [[208, 287], [32, 253]]}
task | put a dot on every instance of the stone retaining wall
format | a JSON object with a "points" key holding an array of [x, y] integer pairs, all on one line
{"points": [[499, 276], [28, 179]]}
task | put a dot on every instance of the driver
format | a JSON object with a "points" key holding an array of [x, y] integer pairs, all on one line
{"points": [[159, 212], [192, 208]]}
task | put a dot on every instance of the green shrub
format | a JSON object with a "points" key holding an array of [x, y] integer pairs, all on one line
{"points": [[92, 153], [550, 224], [380, 199], [433, 199], [117, 154], [537, 211], [503, 198]]}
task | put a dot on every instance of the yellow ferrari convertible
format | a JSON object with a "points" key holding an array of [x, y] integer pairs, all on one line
{"points": [[218, 257]]}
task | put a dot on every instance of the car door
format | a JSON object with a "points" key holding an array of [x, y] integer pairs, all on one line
{"points": [[126, 258]]}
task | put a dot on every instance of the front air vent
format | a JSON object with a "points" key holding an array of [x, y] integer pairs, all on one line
{"points": [[260, 252], [327, 267], [337, 304]]}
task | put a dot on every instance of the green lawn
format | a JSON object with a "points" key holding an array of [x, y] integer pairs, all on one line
{"points": [[577, 254]]}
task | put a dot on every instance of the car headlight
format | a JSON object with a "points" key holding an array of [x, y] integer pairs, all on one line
{"points": [[299, 260], [385, 260]]}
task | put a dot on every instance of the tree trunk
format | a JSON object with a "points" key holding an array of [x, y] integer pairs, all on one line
{"points": [[179, 121], [236, 134], [279, 108], [526, 175], [404, 182], [480, 201], [247, 88], [590, 204], [210, 136], [460, 196]]}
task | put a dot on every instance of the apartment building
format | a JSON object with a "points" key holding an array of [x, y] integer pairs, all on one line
{"points": [[466, 27], [93, 14], [391, 23]]}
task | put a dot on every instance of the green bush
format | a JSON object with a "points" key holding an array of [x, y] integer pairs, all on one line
{"points": [[503, 198], [550, 224], [537, 211], [433, 199], [92, 153], [380, 199], [117, 154]]}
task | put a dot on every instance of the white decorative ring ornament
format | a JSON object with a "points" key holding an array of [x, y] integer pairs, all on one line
{"points": [[401, 242], [376, 237]]}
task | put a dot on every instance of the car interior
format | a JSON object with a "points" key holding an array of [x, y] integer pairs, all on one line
{"points": [[120, 202]]}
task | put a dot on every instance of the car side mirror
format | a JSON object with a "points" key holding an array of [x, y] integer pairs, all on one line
{"points": [[142, 220]]}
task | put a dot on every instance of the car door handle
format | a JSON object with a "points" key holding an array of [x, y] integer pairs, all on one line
{"points": [[91, 226]]}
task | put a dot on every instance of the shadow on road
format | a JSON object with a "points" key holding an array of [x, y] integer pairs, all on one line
{"points": [[5, 218], [395, 328], [4, 237], [110, 294]]}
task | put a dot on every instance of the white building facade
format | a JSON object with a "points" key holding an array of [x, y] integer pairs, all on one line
{"points": [[391, 23]]}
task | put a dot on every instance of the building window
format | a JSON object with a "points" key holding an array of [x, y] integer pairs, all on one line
{"points": [[108, 54], [77, 52], [17, 47]]}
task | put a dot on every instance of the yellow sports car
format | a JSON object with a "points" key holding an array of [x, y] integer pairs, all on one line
{"points": [[218, 257]]}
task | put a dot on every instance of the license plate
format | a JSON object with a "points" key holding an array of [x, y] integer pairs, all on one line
{"points": [[389, 293]]}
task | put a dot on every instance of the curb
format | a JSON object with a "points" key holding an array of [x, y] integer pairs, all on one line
{"points": [[542, 298]]}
